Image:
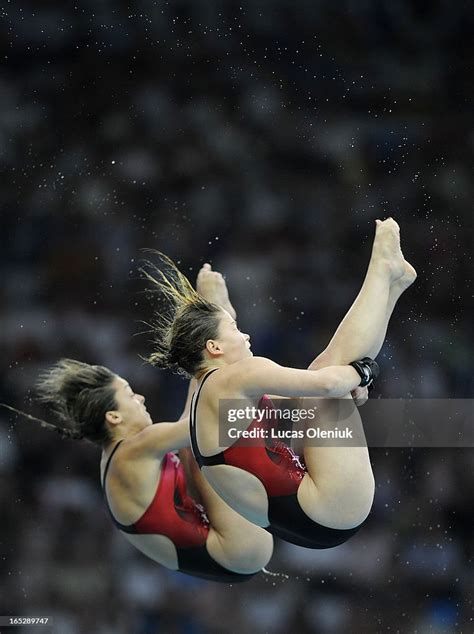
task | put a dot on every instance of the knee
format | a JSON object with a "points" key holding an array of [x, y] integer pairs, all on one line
{"points": [[252, 552], [364, 501], [342, 505], [358, 501]]}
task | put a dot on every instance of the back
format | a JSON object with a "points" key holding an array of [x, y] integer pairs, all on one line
{"points": [[165, 518], [217, 386]]}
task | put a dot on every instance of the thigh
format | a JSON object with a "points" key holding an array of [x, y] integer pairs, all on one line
{"points": [[241, 490], [339, 506], [291, 523], [339, 487]]}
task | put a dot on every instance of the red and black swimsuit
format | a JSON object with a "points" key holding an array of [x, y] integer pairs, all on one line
{"points": [[177, 515], [280, 470]]}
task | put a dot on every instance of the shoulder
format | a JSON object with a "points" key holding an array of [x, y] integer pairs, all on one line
{"points": [[241, 374], [252, 364], [130, 449], [159, 439], [131, 469], [116, 464]]}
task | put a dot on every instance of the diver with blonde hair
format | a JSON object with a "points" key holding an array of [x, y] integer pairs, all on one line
{"points": [[321, 498]]}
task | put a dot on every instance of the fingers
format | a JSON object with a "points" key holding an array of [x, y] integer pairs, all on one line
{"points": [[360, 396], [359, 402]]}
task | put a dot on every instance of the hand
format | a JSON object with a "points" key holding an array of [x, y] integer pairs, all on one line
{"points": [[211, 285], [360, 395]]}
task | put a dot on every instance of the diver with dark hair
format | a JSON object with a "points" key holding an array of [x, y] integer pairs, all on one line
{"points": [[158, 499]]}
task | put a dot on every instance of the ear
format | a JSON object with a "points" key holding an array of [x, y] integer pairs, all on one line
{"points": [[113, 417], [214, 348]]}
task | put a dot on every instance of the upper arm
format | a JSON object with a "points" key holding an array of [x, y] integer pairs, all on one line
{"points": [[158, 439], [257, 376]]}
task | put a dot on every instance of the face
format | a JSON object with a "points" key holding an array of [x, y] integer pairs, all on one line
{"points": [[231, 344], [131, 411]]}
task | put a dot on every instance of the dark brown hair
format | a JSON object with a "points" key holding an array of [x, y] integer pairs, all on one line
{"points": [[80, 395], [184, 321]]}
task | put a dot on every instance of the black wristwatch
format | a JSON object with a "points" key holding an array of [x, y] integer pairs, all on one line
{"points": [[367, 369]]}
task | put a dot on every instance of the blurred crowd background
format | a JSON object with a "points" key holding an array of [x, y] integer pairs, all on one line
{"points": [[264, 137]]}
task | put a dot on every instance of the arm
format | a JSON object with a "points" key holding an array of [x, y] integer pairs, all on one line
{"points": [[158, 439], [360, 396], [211, 285], [256, 376]]}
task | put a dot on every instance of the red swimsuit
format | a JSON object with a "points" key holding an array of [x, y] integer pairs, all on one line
{"points": [[175, 514], [280, 470]]}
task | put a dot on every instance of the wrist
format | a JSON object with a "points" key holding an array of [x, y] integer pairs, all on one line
{"points": [[367, 369]]}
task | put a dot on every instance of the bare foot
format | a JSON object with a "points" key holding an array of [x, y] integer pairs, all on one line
{"points": [[211, 285], [386, 250], [407, 279]]}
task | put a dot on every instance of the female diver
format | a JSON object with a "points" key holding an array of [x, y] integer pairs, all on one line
{"points": [[153, 497], [320, 500]]}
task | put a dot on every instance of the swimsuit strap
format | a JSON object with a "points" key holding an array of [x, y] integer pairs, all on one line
{"points": [[108, 462], [126, 528], [201, 460]]}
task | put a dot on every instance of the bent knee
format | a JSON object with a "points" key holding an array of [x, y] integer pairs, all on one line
{"points": [[359, 509], [354, 502], [253, 553], [246, 555], [339, 507]]}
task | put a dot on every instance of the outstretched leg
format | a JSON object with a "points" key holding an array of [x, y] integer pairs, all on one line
{"points": [[339, 487], [362, 331]]}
